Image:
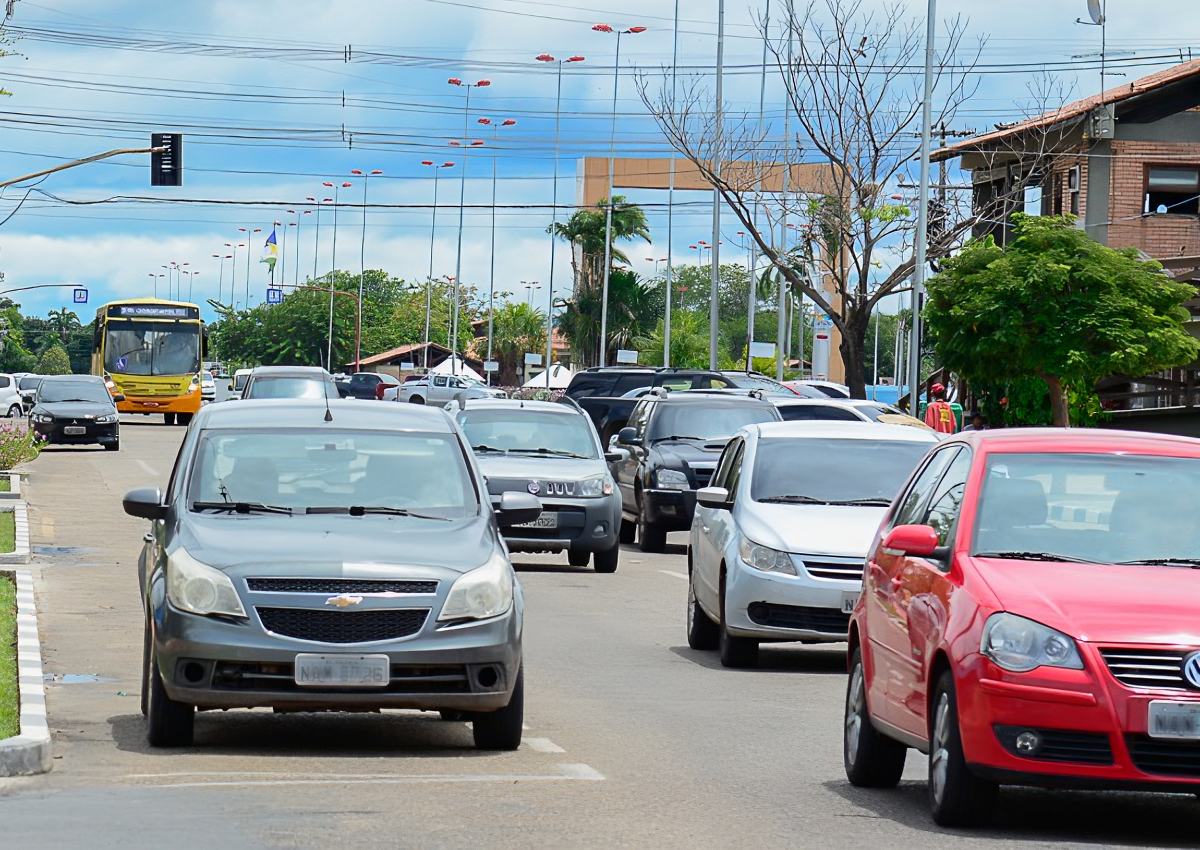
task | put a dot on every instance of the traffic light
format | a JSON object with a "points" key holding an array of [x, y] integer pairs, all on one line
{"points": [[166, 168]]}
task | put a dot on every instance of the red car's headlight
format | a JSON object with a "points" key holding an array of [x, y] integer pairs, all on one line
{"points": [[1020, 645]]}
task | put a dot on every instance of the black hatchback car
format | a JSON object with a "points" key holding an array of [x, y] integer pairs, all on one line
{"points": [[76, 409]]}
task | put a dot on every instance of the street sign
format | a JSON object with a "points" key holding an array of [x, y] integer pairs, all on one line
{"points": [[762, 349], [274, 296], [407, 366], [80, 296], [822, 323], [491, 366], [625, 355], [532, 359], [166, 168]]}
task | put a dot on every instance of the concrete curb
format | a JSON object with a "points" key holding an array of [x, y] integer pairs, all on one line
{"points": [[20, 552], [14, 485], [28, 752]]}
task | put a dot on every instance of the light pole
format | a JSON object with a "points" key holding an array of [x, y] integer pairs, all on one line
{"points": [[546, 57], [671, 201], [249, 238], [155, 278], [714, 311], [918, 278], [530, 287], [462, 201], [362, 248], [751, 294], [191, 281], [316, 253], [282, 253], [612, 153], [437, 169], [221, 258], [296, 263], [337, 188], [180, 271], [507, 122]]}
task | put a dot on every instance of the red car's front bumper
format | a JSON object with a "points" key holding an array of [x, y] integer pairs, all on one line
{"points": [[1093, 728]]}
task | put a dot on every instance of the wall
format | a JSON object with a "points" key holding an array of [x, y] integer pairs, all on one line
{"points": [[1157, 235]]}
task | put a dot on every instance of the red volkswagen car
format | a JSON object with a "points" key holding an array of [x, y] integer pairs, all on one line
{"points": [[1030, 615]]}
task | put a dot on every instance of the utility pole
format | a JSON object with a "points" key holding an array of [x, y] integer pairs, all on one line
{"points": [[918, 276]]}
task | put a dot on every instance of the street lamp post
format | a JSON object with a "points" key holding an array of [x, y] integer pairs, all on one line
{"points": [[462, 201], [191, 282], [362, 248], [714, 311], [155, 278], [612, 153], [530, 287], [922, 235], [671, 200], [249, 237], [507, 122], [437, 169], [337, 188]]}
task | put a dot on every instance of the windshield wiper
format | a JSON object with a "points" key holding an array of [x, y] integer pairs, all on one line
{"points": [[550, 452], [241, 508], [1035, 556], [1194, 563], [362, 510], [677, 437], [876, 501], [795, 500], [489, 450], [61, 400]]}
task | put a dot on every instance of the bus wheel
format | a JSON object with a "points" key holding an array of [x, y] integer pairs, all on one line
{"points": [[169, 418], [184, 418]]}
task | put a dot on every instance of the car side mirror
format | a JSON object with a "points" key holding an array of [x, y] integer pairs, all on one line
{"points": [[517, 507], [627, 436], [714, 497], [145, 502], [920, 541], [118, 397]]}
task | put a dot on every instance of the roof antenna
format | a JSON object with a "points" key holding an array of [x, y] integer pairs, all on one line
{"points": [[328, 412]]}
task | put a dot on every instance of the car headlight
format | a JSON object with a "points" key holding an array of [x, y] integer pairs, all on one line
{"points": [[597, 485], [671, 479], [484, 592], [1020, 645], [765, 558], [42, 418], [200, 589], [107, 419]]}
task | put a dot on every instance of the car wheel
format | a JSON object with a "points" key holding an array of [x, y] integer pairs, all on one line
{"points": [[628, 532], [702, 632], [168, 723], [112, 447], [501, 730], [957, 797], [736, 652], [169, 418], [872, 760], [606, 562], [15, 411], [416, 399], [652, 537], [577, 557], [184, 418]]}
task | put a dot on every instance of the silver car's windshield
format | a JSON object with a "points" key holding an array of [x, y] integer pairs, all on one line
{"points": [[421, 472], [833, 470], [285, 387], [528, 430], [1091, 507]]}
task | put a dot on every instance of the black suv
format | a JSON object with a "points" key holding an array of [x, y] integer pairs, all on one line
{"points": [[618, 380], [670, 448], [366, 385]]}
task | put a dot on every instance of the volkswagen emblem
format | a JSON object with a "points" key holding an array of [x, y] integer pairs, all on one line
{"points": [[534, 488], [1191, 669]]}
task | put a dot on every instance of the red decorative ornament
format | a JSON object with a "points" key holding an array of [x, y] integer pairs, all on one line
{"points": [[544, 57]]}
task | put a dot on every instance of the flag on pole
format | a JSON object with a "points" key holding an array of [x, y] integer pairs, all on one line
{"points": [[270, 252]]}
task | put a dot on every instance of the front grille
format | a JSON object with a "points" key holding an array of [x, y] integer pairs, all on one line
{"points": [[338, 585], [827, 620], [280, 678], [1147, 668], [1170, 758], [343, 626], [1060, 745], [830, 570]]}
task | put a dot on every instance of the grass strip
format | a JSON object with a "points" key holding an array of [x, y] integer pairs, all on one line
{"points": [[10, 718]]}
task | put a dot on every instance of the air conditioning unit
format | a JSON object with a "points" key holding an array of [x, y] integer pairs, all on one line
{"points": [[1102, 123]]}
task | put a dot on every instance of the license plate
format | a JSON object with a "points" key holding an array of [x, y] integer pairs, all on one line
{"points": [[1174, 719], [74, 430], [342, 671], [849, 600], [545, 520]]}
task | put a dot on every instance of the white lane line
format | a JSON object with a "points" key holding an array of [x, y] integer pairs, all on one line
{"points": [[582, 772], [674, 574], [566, 773], [147, 468], [542, 745]]}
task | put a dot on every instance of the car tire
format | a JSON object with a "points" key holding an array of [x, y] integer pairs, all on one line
{"points": [[702, 632], [168, 723], [606, 561], [957, 797], [872, 760], [184, 419], [15, 411], [501, 729], [112, 447], [652, 537], [736, 652], [577, 557], [628, 532], [416, 399], [168, 418]]}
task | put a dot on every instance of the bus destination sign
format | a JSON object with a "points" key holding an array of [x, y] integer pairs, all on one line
{"points": [[152, 311]]}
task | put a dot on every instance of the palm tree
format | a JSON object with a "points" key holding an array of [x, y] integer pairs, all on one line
{"points": [[517, 328], [633, 308], [63, 322], [689, 341], [585, 231]]}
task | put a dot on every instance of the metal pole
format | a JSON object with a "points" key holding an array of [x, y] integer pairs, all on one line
{"points": [[221, 279], [875, 359], [671, 197], [316, 240], [492, 259], [282, 256], [249, 236], [296, 270], [608, 212], [362, 264], [462, 202], [429, 280], [714, 307], [782, 337], [553, 237], [332, 269], [918, 278], [752, 292]]}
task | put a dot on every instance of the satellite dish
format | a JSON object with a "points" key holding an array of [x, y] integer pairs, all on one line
{"points": [[1094, 10]]}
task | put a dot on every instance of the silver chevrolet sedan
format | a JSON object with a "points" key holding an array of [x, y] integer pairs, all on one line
{"points": [[314, 555]]}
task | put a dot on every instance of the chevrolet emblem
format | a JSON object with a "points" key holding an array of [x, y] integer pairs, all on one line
{"points": [[343, 600]]}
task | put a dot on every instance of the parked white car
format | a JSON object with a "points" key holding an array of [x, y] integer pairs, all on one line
{"points": [[779, 538], [843, 410], [440, 389], [10, 397], [208, 387]]}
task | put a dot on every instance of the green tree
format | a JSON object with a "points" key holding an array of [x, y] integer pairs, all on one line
{"points": [[54, 361], [689, 341], [518, 328], [63, 321], [1058, 306], [585, 231], [633, 308]]}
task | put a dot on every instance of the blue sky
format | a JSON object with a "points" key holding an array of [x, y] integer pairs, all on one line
{"points": [[257, 89]]}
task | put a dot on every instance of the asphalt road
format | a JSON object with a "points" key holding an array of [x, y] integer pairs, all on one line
{"points": [[633, 740]]}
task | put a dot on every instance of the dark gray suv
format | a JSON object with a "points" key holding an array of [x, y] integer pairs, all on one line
{"points": [[314, 555]]}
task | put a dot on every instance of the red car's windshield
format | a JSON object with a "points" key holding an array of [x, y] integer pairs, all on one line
{"points": [[1106, 508]]}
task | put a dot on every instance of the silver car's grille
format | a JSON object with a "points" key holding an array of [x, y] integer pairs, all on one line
{"points": [[339, 585], [1147, 668], [832, 570]]}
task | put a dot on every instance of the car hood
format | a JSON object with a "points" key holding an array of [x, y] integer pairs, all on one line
{"points": [[336, 546], [1099, 603], [74, 409], [844, 531], [690, 452], [514, 472]]}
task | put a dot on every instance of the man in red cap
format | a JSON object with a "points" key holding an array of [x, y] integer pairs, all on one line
{"points": [[939, 415]]}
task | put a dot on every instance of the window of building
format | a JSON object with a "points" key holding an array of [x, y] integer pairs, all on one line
{"points": [[1073, 189], [1172, 190]]}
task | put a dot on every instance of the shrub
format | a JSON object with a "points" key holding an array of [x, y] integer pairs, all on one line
{"points": [[18, 444], [54, 361]]}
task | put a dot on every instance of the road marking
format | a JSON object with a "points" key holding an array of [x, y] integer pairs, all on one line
{"points": [[674, 574], [566, 773], [542, 745], [147, 468]]}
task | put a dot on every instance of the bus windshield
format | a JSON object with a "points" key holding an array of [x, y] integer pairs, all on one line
{"points": [[151, 348]]}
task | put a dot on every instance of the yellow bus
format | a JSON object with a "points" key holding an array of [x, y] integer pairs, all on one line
{"points": [[152, 350]]}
